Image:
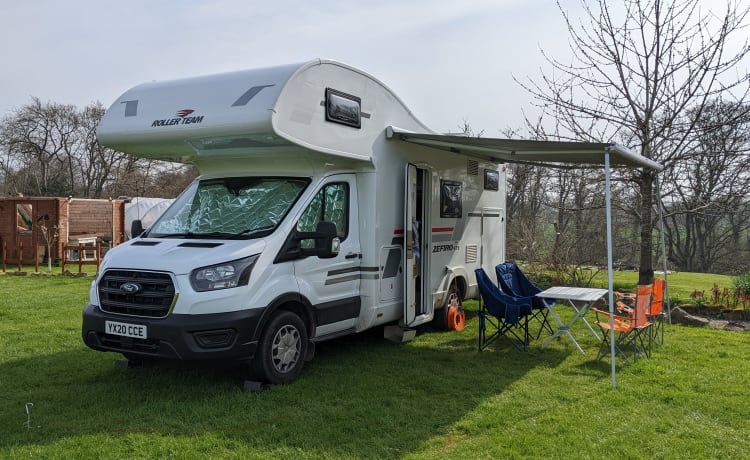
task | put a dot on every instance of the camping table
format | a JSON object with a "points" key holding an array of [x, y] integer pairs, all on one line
{"points": [[580, 299]]}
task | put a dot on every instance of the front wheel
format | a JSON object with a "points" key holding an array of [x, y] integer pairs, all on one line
{"points": [[282, 349]]}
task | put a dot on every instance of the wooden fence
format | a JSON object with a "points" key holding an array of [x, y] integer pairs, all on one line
{"points": [[72, 255]]}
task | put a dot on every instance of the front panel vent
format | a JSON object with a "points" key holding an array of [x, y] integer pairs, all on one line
{"points": [[199, 244], [145, 243], [472, 167], [471, 253]]}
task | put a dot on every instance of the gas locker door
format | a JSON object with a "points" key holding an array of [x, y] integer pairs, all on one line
{"points": [[332, 285], [391, 279]]}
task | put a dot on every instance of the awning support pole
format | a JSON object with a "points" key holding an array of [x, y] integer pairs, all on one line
{"points": [[663, 246], [610, 274]]}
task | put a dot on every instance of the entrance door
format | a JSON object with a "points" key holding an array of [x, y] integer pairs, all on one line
{"points": [[418, 308]]}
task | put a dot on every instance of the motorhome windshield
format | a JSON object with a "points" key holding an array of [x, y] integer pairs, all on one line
{"points": [[233, 207]]}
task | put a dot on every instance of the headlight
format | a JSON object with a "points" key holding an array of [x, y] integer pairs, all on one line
{"points": [[223, 276]]}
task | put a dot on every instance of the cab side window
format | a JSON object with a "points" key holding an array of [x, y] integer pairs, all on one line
{"points": [[331, 204]]}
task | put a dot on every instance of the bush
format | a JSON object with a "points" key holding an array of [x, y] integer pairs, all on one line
{"points": [[742, 283], [698, 298], [742, 291]]}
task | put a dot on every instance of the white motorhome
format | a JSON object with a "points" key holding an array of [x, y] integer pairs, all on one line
{"points": [[311, 219]]}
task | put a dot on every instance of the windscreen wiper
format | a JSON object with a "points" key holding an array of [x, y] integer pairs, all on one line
{"points": [[197, 235], [253, 232]]}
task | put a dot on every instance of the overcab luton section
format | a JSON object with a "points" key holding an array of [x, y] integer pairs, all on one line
{"points": [[324, 208]]}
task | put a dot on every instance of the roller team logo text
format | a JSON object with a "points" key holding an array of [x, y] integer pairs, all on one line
{"points": [[182, 117]]}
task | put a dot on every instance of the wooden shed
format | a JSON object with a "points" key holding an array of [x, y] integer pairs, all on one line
{"points": [[24, 221]]}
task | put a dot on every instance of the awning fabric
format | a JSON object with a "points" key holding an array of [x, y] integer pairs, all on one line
{"points": [[524, 151]]}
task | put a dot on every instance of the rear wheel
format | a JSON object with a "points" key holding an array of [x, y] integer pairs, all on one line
{"points": [[453, 297], [282, 349]]}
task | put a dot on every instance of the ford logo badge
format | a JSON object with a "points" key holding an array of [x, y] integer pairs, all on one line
{"points": [[131, 288]]}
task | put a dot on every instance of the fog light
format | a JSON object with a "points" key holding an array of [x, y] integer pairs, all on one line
{"points": [[214, 339]]}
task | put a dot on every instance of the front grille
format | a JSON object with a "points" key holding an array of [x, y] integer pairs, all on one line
{"points": [[153, 299]]}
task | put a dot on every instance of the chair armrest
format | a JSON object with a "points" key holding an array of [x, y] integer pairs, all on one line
{"points": [[624, 308], [625, 298], [616, 317], [625, 295]]}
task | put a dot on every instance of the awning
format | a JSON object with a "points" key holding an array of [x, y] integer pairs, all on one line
{"points": [[543, 153]]}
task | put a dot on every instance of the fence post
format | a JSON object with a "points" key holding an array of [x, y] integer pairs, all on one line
{"points": [[80, 258], [98, 254], [5, 253], [20, 256]]}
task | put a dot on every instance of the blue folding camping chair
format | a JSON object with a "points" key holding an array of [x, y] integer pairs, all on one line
{"points": [[513, 282], [507, 316]]}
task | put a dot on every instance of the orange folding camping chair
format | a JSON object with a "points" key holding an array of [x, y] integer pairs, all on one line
{"points": [[631, 327], [656, 312]]}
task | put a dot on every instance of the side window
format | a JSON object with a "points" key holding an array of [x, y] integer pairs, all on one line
{"points": [[331, 204], [450, 199]]}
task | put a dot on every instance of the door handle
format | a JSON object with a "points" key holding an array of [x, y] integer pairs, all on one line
{"points": [[353, 255]]}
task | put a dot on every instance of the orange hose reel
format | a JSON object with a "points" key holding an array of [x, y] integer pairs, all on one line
{"points": [[456, 318]]}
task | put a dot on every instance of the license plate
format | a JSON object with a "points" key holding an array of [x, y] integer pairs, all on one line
{"points": [[137, 331]]}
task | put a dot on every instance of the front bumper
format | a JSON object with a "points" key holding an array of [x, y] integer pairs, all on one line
{"points": [[220, 336]]}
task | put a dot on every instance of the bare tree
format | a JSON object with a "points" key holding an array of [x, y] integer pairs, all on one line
{"points": [[37, 140], [468, 131], [52, 150], [637, 66], [526, 196], [153, 178], [707, 194], [50, 236], [97, 165]]}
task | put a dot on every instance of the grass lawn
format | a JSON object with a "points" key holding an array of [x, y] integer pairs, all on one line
{"points": [[363, 397], [681, 285]]}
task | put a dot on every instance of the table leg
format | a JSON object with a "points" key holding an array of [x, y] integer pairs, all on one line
{"points": [[565, 328], [581, 313], [562, 329]]}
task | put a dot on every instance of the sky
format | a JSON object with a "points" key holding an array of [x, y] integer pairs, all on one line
{"points": [[449, 61]]}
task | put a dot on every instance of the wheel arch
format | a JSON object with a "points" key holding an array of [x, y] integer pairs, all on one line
{"points": [[293, 302], [456, 275]]}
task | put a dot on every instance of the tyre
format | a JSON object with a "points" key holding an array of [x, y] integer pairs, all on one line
{"points": [[453, 297], [282, 349], [440, 320]]}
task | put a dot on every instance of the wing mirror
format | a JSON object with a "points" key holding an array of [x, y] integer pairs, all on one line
{"points": [[327, 242], [136, 228], [325, 239]]}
